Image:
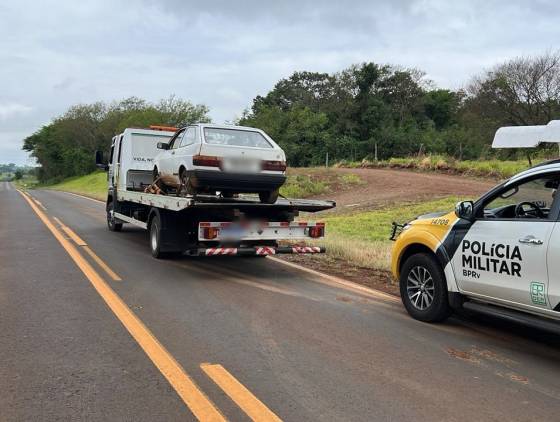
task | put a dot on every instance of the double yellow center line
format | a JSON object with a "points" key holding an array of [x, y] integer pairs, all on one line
{"points": [[199, 404]]}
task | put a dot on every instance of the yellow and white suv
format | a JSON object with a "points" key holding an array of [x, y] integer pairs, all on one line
{"points": [[499, 254]]}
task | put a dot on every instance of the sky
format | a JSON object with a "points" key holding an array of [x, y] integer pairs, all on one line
{"points": [[55, 54]]}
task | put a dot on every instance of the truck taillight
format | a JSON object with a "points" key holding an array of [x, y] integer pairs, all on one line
{"points": [[316, 231], [274, 165], [206, 160], [210, 232]]}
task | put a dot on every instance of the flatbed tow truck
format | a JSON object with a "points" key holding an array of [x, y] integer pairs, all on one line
{"points": [[199, 225]]}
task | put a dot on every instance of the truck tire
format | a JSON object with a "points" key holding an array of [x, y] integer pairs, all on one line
{"points": [[269, 197], [424, 288], [155, 238], [156, 234], [112, 222]]}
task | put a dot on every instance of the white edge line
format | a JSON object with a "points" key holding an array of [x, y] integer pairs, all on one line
{"points": [[339, 282], [78, 195]]}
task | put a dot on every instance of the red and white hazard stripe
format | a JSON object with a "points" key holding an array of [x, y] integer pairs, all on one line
{"points": [[306, 249], [221, 251], [222, 224], [265, 250]]}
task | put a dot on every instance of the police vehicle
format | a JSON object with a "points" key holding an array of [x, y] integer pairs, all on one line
{"points": [[499, 254]]}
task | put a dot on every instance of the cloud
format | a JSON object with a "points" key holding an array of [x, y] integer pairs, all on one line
{"points": [[8, 111], [222, 53]]}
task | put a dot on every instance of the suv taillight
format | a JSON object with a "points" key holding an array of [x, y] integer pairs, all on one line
{"points": [[274, 165]]}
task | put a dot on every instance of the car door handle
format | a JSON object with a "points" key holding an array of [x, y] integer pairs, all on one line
{"points": [[531, 240]]}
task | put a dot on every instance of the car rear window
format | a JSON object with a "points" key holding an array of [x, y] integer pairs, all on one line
{"points": [[235, 137]]}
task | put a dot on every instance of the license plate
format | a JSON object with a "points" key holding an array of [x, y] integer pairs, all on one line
{"points": [[241, 165], [232, 232]]}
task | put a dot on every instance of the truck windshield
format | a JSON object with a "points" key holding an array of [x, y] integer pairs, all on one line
{"points": [[235, 137]]}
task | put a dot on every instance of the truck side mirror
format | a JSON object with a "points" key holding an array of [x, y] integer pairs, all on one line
{"points": [[163, 145], [99, 163], [465, 210]]}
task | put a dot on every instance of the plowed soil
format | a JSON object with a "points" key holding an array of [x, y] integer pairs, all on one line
{"points": [[383, 187]]}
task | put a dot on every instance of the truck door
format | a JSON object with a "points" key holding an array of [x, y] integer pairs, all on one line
{"points": [[503, 255], [111, 162], [117, 160]]}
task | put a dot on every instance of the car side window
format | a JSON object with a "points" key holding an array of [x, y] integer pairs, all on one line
{"points": [[177, 143], [528, 200], [176, 140], [190, 137]]}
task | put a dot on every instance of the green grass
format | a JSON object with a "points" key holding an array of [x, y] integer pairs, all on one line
{"points": [[481, 168], [26, 182], [6, 177], [363, 238], [93, 185], [375, 225], [301, 186], [306, 182]]}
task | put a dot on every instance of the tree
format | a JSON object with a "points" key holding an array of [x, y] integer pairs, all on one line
{"points": [[441, 106], [522, 91], [65, 147], [18, 174]]}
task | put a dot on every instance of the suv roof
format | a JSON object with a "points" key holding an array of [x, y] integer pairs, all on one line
{"points": [[542, 168]]}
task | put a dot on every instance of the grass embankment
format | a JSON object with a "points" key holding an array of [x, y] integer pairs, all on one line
{"points": [[363, 238], [93, 185], [440, 163]]}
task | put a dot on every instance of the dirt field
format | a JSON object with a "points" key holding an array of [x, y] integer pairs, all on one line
{"points": [[383, 187]]}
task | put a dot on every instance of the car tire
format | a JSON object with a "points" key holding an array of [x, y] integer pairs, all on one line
{"points": [[112, 222], [269, 197], [185, 187], [424, 289]]}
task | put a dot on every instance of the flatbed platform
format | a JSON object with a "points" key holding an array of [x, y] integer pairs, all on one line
{"points": [[179, 203]]}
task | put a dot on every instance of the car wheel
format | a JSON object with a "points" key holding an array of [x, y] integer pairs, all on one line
{"points": [[112, 222], [424, 289], [186, 187], [269, 197]]}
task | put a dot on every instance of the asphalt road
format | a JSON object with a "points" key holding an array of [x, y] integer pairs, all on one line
{"points": [[76, 344]]}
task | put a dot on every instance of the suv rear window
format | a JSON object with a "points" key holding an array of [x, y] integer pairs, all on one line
{"points": [[235, 137]]}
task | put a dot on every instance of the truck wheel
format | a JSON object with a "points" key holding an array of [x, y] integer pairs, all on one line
{"points": [[155, 238], [269, 197], [112, 223], [424, 289]]}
